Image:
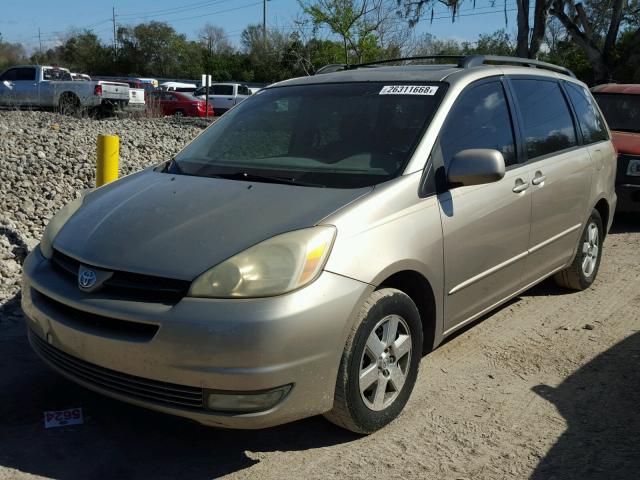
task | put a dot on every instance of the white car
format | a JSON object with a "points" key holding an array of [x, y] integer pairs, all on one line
{"points": [[224, 96], [178, 86]]}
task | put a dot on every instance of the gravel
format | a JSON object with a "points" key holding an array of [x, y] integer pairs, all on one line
{"points": [[46, 160]]}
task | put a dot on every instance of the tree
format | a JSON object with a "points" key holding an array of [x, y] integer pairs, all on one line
{"points": [[529, 40], [595, 28], [356, 22], [268, 54], [11, 54], [83, 52], [152, 48], [214, 39]]}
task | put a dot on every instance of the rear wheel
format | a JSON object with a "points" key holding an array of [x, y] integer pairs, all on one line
{"points": [[380, 363], [584, 268], [69, 104], [178, 113]]}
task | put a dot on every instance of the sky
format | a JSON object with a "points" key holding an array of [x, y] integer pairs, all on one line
{"points": [[19, 22]]}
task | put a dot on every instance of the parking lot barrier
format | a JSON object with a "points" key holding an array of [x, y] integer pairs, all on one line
{"points": [[108, 159]]}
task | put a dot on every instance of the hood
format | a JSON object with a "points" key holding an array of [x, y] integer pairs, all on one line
{"points": [[627, 142], [178, 226]]}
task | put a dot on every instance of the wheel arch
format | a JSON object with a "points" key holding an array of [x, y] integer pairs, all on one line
{"points": [[602, 206], [419, 289], [69, 94]]}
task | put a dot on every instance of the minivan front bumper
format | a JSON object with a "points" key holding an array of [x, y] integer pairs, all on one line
{"points": [[169, 357]]}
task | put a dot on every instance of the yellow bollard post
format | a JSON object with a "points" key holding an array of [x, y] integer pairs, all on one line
{"points": [[107, 161]]}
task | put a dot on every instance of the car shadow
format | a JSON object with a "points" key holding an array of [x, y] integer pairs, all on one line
{"points": [[118, 440], [626, 223], [600, 405]]}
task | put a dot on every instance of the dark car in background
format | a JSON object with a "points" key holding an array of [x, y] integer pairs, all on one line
{"points": [[179, 104], [620, 105]]}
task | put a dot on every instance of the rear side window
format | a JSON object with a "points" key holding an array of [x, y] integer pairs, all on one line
{"points": [[591, 124], [222, 90], [55, 74], [547, 123], [479, 119]]}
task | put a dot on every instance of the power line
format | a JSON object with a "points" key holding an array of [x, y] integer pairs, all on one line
{"points": [[172, 10]]}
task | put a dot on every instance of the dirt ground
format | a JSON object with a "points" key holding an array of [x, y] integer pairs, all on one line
{"points": [[547, 387]]}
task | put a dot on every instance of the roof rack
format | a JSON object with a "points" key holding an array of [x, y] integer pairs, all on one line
{"points": [[478, 60], [467, 61]]}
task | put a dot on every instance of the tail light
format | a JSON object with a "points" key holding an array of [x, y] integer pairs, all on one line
{"points": [[97, 90]]}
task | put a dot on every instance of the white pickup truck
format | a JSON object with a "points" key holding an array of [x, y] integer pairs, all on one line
{"points": [[223, 96], [53, 87]]}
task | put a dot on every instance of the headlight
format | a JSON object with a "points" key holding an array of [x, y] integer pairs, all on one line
{"points": [[56, 223], [633, 169], [276, 266]]}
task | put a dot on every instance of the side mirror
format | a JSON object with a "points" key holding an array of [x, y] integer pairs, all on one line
{"points": [[475, 166]]}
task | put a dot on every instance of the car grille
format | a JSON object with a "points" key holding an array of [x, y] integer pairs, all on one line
{"points": [[163, 393], [93, 323], [132, 286]]}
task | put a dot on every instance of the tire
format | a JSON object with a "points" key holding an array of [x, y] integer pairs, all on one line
{"points": [[584, 268], [367, 410], [68, 104], [178, 113]]}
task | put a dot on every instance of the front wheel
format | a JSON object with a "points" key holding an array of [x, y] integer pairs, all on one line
{"points": [[380, 363], [584, 268]]}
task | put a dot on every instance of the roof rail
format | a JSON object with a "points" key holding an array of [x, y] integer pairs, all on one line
{"points": [[478, 60], [332, 67], [406, 59], [467, 61]]}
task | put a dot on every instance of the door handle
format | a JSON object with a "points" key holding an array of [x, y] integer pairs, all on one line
{"points": [[539, 178], [520, 186]]}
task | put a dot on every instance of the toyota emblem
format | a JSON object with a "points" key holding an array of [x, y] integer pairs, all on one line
{"points": [[87, 279]]}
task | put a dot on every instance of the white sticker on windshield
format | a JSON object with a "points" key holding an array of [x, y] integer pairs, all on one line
{"points": [[408, 90]]}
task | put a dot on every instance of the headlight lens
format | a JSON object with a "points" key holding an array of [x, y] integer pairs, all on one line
{"points": [[56, 223], [633, 169], [276, 266]]}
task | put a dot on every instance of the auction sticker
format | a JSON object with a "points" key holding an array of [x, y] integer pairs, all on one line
{"points": [[62, 418], [408, 90]]}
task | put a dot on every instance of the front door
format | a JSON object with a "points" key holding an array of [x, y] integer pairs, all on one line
{"points": [[486, 227], [222, 97], [18, 87]]}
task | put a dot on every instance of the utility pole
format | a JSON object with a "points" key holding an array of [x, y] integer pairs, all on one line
{"points": [[115, 43], [40, 41], [264, 23]]}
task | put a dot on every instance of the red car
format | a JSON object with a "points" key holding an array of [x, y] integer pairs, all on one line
{"points": [[179, 104], [620, 105]]}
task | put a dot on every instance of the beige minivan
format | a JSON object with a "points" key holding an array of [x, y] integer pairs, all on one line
{"points": [[302, 254]]}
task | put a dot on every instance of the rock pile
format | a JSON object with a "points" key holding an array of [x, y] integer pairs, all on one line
{"points": [[46, 160]]}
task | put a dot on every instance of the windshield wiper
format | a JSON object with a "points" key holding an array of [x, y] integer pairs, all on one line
{"points": [[252, 177]]}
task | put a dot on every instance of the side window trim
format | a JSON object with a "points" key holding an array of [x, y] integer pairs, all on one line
{"points": [[574, 114], [516, 123]]}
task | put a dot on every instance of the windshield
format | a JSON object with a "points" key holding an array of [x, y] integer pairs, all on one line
{"points": [[345, 135], [622, 111]]}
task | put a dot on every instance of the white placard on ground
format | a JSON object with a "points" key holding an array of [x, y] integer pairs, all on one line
{"points": [[62, 418]]}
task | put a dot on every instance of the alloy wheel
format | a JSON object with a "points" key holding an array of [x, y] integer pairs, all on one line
{"points": [[385, 362], [590, 250]]}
